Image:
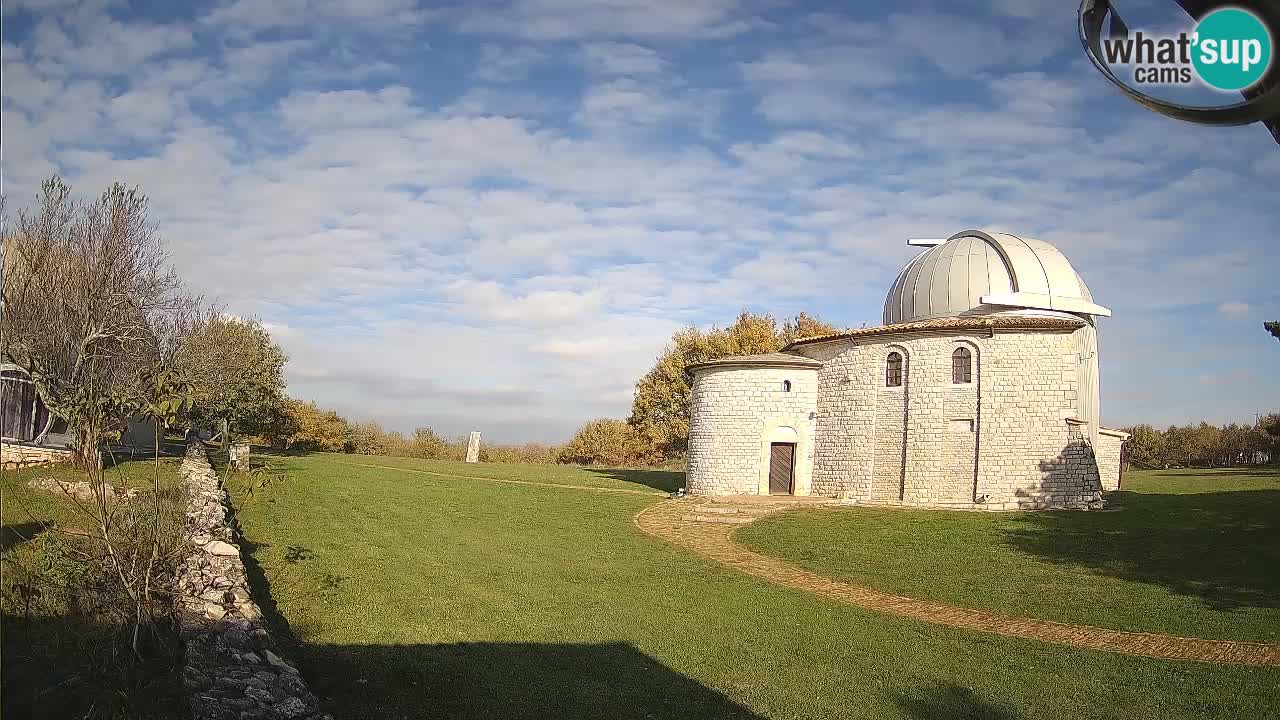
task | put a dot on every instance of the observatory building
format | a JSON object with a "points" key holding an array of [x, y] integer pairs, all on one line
{"points": [[979, 391]]}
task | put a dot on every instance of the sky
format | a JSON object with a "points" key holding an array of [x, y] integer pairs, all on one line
{"points": [[492, 216]]}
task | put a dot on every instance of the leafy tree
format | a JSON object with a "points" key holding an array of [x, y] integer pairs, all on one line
{"points": [[90, 304], [315, 428], [237, 370], [608, 442], [1273, 328], [1144, 447], [660, 408], [367, 439]]}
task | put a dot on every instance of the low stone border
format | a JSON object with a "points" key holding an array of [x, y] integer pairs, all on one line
{"points": [[79, 489], [232, 670]]}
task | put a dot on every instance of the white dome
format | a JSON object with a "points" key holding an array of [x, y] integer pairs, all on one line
{"points": [[975, 273]]}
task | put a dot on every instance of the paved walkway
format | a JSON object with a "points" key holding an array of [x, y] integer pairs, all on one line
{"points": [[706, 528]]}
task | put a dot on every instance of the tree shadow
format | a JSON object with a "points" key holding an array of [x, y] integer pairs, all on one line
{"points": [[117, 454], [19, 533], [278, 452], [664, 480], [950, 702], [1221, 547], [73, 666], [604, 681]]}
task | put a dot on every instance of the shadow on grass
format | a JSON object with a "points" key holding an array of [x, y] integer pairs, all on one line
{"points": [[664, 480], [1222, 547], [117, 454], [18, 533], [74, 667], [950, 702], [606, 681]]}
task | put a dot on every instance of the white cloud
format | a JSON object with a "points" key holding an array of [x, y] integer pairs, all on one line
{"points": [[1234, 309], [439, 236], [565, 19], [617, 58]]}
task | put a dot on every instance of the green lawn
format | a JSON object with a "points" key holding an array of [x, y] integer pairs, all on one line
{"points": [[425, 595], [63, 655], [1187, 552]]}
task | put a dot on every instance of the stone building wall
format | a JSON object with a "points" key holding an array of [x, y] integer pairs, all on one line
{"points": [[1002, 440], [15, 455], [1109, 452], [736, 412]]}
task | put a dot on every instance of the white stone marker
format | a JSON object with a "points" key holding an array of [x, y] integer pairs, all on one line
{"points": [[473, 447]]}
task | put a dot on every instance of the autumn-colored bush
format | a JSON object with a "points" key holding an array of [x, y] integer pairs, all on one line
{"points": [[608, 442]]}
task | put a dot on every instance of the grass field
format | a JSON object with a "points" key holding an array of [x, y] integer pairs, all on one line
{"points": [[425, 594], [1192, 553], [63, 656]]}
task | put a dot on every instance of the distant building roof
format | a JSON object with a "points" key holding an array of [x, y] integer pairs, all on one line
{"points": [[973, 322], [774, 359]]}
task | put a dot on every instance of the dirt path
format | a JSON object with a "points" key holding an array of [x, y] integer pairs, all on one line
{"points": [[710, 538]]}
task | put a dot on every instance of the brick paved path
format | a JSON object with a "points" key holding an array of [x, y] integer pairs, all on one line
{"points": [[706, 527]]}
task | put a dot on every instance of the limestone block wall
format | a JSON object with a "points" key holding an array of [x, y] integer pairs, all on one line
{"points": [[1109, 452], [1001, 442], [849, 403], [16, 455], [735, 413]]}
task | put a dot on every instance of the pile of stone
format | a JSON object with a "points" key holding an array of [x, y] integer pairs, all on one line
{"points": [[233, 669], [79, 490]]}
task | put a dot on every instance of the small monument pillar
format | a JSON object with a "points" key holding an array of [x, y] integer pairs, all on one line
{"points": [[473, 447]]}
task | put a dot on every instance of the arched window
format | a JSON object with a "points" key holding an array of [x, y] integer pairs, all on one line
{"points": [[786, 386], [962, 366], [893, 370]]}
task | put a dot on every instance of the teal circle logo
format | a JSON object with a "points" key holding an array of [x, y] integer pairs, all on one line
{"points": [[1232, 49]]}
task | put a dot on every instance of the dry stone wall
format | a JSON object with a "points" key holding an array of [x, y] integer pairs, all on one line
{"points": [[233, 668], [735, 412]]}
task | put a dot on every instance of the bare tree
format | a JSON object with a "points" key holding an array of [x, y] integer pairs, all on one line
{"points": [[90, 304]]}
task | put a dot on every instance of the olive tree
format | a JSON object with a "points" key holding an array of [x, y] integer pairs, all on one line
{"points": [[89, 305]]}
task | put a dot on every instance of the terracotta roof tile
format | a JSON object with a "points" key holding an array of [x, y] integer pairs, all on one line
{"points": [[973, 322], [775, 359]]}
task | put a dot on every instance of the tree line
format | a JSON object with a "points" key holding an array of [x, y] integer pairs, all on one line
{"points": [[1204, 445], [303, 425]]}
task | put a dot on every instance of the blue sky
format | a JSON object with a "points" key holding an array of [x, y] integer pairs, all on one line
{"points": [[493, 215]]}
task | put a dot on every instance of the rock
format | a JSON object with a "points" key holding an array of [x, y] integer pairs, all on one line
{"points": [[221, 549], [289, 709], [236, 638], [259, 694], [200, 539], [214, 612], [274, 661], [221, 582], [251, 657]]}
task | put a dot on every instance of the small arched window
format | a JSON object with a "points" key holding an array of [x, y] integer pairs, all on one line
{"points": [[893, 370], [962, 366], [786, 386]]}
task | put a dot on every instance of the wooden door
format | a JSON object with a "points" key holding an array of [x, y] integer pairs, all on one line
{"points": [[782, 462]]}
